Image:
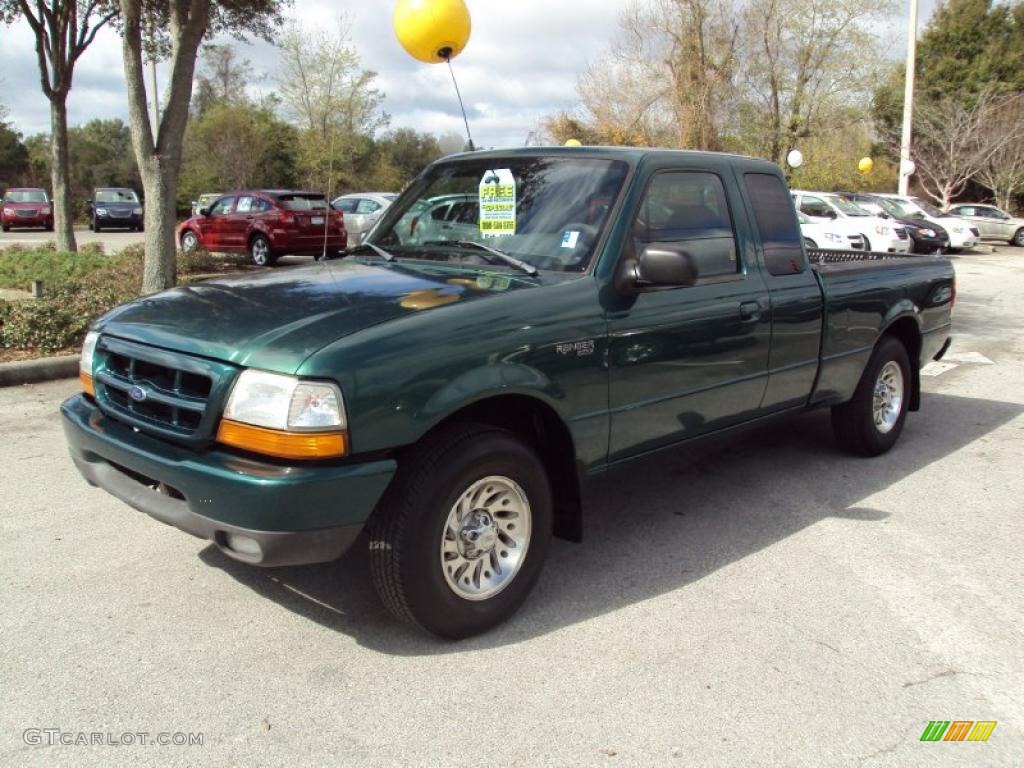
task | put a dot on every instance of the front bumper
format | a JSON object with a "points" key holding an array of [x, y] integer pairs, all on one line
{"points": [[259, 513], [39, 220], [114, 222]]}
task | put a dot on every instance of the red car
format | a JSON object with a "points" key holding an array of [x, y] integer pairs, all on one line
{"points": [[266, 224], [26, 207]]}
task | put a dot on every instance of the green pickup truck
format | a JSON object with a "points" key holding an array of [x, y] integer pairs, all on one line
{"points": [[518, 323]]}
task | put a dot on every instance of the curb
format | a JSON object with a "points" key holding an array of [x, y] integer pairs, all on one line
{"points": [[33, 371]]}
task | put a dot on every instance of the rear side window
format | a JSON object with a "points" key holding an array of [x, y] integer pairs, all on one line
{"points": [[776, 223], [346, 205], [689, 208], [367, 206], [259, 205], [303, 202]]}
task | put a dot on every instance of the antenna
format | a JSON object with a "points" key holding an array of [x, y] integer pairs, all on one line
{"points": [[446, 54], [330, 181]]}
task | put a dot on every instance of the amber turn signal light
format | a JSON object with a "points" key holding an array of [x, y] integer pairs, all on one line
{"points": [[284, 445], [86, 381]]}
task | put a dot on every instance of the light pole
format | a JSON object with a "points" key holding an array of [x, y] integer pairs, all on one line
{"points": [[908, 101]]}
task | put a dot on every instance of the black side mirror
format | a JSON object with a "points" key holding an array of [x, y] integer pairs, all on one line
{"points": [[832, 214], [662, 267], [204, 211]]}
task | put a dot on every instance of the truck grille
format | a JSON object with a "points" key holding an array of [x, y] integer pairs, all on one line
{"points": [[165, 393], [122, 213], [856, 242], [26, 212]]}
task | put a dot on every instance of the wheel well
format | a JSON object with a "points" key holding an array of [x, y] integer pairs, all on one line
{"points": [[542, 428], [906, 330]]}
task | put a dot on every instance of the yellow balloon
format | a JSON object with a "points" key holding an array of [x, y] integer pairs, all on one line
{"points": [[574, 143], [432, 30], [865, 165]]}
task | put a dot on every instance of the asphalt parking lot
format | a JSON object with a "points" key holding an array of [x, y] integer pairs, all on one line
{"points": [[766, 601]]}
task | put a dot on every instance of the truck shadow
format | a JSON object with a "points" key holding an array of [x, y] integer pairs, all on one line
{"points": [[658, 525]]}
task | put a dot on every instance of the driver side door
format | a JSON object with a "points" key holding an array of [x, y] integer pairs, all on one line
{"points": [[214, 227], [685, 361]]}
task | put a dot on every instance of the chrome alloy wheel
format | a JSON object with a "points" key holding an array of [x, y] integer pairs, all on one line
{"points": [[260, 252], [485, 538], [189, 242], [888, 400]]}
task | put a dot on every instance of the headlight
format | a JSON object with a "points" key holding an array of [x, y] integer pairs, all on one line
{"points": [[86, 360], [101, 211], [928, 232], [285, 416], [137, 211], [881, 230], [832, 237], [47, 210], [8, 211]]}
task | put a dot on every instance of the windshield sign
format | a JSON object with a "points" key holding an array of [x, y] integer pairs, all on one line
{"points": [[546, 211]]}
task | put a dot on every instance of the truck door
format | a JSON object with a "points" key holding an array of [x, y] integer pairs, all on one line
{"points": [[689, 360], [796, 299]]}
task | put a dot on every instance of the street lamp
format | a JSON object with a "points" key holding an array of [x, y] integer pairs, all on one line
{"points": [[908, 103]]}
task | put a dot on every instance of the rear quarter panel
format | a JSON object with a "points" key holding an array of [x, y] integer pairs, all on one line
{"points": [[863, 300]]}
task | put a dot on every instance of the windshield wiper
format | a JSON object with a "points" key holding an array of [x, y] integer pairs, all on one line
{"points": [[510, 260], [376, 249]]}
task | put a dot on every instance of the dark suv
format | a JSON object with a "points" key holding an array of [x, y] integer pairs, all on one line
{"points": [[115, 208]]}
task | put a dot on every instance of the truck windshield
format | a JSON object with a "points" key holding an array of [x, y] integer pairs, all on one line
{"points": [[546, 211]]}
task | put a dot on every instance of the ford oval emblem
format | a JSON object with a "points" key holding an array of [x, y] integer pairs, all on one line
{"points": [[137, 393]]}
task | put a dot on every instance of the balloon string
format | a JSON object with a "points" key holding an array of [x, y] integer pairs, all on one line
{"points": [[448, 60]]}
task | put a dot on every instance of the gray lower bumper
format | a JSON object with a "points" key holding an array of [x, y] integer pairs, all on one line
{"points": [[264, 548]]}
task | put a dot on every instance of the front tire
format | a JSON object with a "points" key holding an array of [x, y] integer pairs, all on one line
{"points": [[460, 537], [1018, 239], [189, 242], [95, 226], [871, 422], [867, 244]]}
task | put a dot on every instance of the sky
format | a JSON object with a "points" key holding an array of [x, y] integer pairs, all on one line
{"points": [[521, 65]]}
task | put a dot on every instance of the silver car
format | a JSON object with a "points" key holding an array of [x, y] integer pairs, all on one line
{"points": [[991, 222], [362, 211]]}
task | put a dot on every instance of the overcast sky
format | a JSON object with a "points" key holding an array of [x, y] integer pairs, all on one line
{"points": [[520, 65]]}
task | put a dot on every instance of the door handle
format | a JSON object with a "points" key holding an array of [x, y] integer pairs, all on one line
{"points": [[750, 310]]}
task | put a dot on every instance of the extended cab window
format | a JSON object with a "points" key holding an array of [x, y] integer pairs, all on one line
{"points": [[773, 213], [688, 209]]}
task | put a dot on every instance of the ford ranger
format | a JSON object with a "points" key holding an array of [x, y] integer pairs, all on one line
{"points": [[449, 391]]}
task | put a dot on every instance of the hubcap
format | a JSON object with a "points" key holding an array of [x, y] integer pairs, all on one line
{"points": [[888, 400], [259, 252], [1020, 238], [485, 539], [190, 242]]}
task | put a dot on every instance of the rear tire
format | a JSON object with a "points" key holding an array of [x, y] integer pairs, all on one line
{"points": [[867, 244], [260, 251], [810, 244], [871, 422], [460, 537], [1018, 239]]}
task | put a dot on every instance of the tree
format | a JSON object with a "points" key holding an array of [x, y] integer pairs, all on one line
{"points": [[955, 139], [223, 78], [409, 152], [805, 63], [237, 146], [63, 30], [181, 26], [1003, 171], [323, 89], [14, 163]]}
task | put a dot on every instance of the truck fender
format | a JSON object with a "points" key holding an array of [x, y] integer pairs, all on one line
{"points": [[904, 322]]}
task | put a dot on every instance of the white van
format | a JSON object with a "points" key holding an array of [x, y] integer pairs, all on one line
{"points": [[830, 235], [879, 234]]}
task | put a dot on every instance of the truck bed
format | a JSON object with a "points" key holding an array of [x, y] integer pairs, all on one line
{"points": [[863, 293]]}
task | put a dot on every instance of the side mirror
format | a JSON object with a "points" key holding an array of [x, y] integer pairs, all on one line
{"points": [[204, 211], [661, 267], [832, 214]]}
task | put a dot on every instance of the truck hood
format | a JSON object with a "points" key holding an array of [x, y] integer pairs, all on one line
{"points": [[274, 320]]}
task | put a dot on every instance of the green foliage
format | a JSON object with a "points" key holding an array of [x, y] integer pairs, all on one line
{"points": [[13, 158], [18, 268], [236, 146]]}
